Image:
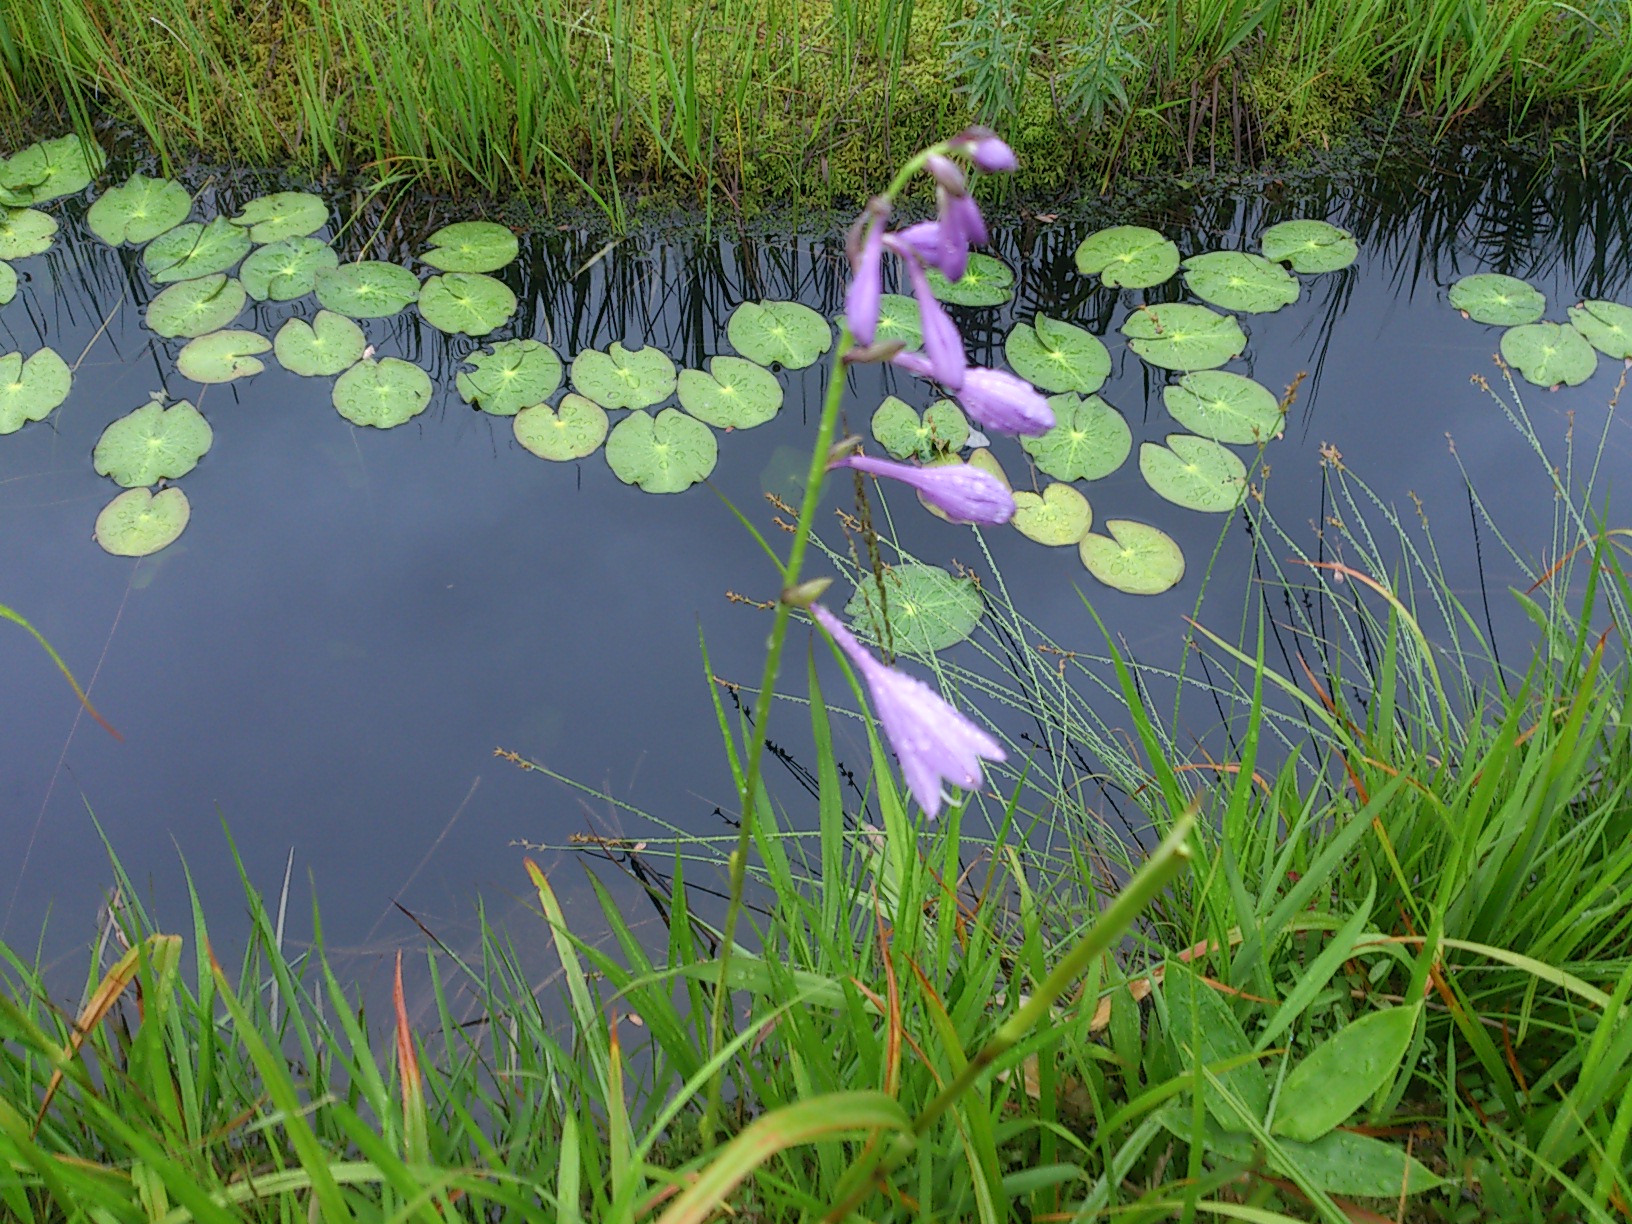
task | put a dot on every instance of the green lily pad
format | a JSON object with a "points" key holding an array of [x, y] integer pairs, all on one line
{"points": [[735, 394], [1237, 280], [471, 246], [1179, 336], [1225, 407], [1549, 354], [138, 523], [30, 389], [778, 333], [286, 270], [1195, 473], [153, 443], [330, 344], [138, 210], [987, 462], [900, 430], [985, 282], [1056, 356], [511, 376], [621, 378], [368, 289], [1089, 440], [51, 169], [573, 431], [1128, 257], [195, 249], [382, 393], [1059, 515], [467, 302], [8, 282], [191, 308], [928, 609], [667, 454], [222, 356], [283, 215], [1309, 246], [25, 232], [1490, 297], [899, 322], [1135, 558], [1606, 325]]}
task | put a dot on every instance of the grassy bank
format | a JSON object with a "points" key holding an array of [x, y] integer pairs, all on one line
{"points": [[745, 102]]}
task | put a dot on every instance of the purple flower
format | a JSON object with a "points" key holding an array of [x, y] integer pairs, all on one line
{"points": [[946, 173], [866, 252], [964, 494], [943, 346], [994, 398], [933, 742], [989, 153], [936, 246], [961, 218]]}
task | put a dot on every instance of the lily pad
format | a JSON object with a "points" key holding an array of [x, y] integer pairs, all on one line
{"points": [[222, 356], [1195, 473], [735, 394], [1179, 336], [8, 282], [51, 169], [899, 321], [191, 308], [987, 462], [927, 608], [789, 334], [1225, 407], [138, 523], [30, 389], [1309, 245], [195, 249], [985, 282], [511, 376], [1606, 325], [283, 215], [621, 378], [1549, 354], [1128, 257], [471, 246], [1089, 440], [573, 431], [138, 210], [286, 270], [330, 344], [1059, 515], [153, 443], [467, 302], [1135, 558], [382, 393], [1490, 297], [1237, 280], [25, 232], [900, 430], [368, 289], [667, 454], [1058, 356]]}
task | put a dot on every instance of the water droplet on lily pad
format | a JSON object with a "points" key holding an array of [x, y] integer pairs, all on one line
{"points": [[330, 344], [193, 307], [138, 210], [1196, 473], [1309, 246], [665, 454], [1607, 326], [1058, 356], [789, 334], [1179, 336], [368, 289], [1491, 297], [138, 523], [471, 246], [575, 430], [382, 394], [222, 356], [1059, 515], [1135, 558], [466, 302], [25, 232], [195, 249], [624, 378], [50, 170], [1549, 354], [30, 389], [153, 443], [1225, 407], [1128, 257], [283, 215], [8, 282], [1090, 439], [986, 281], [511, 376], [735, 393], [285, 270], [928, 609], [1237, 280], [942, 429]]}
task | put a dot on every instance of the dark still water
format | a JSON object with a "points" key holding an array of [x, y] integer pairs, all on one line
{"points": [[355, 619]]}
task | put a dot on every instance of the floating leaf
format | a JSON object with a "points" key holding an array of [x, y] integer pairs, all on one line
{"points": [[928, 609], [138, 523], [621, 378], [1060, 515], [779, 333], [8, 283], [1128, 257], [1606, 325], [987, 462], [138, 210], [1135, 558], [1195, 473], [1058, 356], [1179, 336], [667, 454], [222, 356], [25, 232], [899, 321], [194, 307], [512, 375], [1309, 246], [471, 246], [382, 393], [1549, 354], [283, 271], [900, 430], [985, 282], [283, 215], [195, 249], [1089, 439], [30, 389], [1236, 280], [574, 430], [467, 302], [368, 289], [1225, 407], [153, 443], [51, 169], [735, 394], [330, 344], [1490, 297]]}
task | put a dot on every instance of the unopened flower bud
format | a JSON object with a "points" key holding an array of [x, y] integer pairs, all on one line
{"points": [[843, 449], [946, 173], [806, 593], [880, 350]]}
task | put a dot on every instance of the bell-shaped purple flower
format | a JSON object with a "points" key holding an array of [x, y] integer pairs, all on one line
{"points": [[988, 152], [994, 398], [943, 345], [934, 743], [960, 217], [964, 494], [866, 250], [935, 246]]}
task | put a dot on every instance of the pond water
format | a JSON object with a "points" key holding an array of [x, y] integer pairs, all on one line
{"points": [[356, 619]]}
